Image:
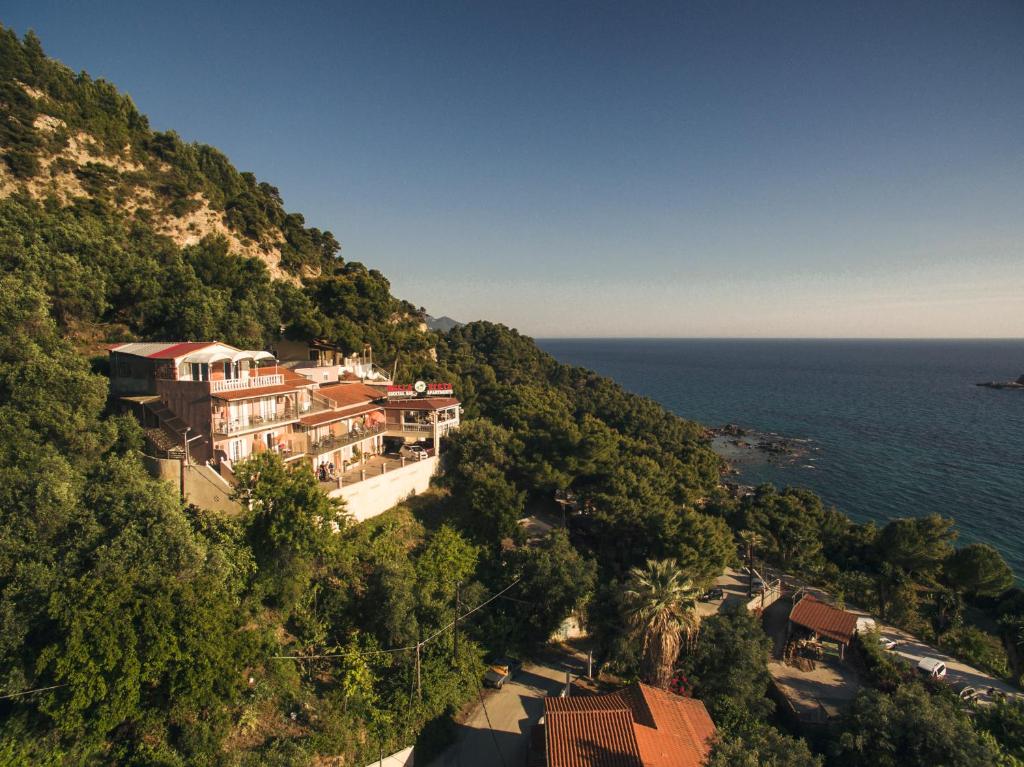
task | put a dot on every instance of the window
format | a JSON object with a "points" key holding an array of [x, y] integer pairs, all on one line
{"points": [[236, 450], [200, 371]]}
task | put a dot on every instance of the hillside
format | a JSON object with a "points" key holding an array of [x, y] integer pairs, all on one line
{"points": [[135, 630], [67, 137]]}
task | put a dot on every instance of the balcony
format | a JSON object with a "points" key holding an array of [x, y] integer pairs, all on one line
{"points": [[250, 382], [228, 427], [328, 444]]}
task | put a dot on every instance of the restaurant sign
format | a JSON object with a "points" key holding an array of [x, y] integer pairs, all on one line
{"points": [[419, 389]]}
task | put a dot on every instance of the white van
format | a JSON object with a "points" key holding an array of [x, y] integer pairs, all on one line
{"points": [[932, 667]]}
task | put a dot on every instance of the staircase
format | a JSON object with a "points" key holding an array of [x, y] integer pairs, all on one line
{"points": [[169, 437]]}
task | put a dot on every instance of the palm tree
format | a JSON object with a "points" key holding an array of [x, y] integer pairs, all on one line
{"points": [[751, 540], [661, 607]]}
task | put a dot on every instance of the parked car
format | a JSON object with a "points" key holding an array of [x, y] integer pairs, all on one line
{"points": [[500, 670], [414, 452], [713, 596], [888, 644], [967, 693], [932, 667]]}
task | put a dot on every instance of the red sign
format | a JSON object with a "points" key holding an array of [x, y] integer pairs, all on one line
{"points": [[420, 389]]}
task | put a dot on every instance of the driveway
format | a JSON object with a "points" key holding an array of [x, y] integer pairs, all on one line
{"points": [[512, 712], [733, 584]]}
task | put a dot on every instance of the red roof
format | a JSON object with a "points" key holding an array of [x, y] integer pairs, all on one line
{"points": [[317, 419], [824, 619], [177, 350], [423, 403], [665, 730], [344, 395]]}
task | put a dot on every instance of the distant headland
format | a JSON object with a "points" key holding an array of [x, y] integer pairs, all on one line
{"points": [[1018, 384]]}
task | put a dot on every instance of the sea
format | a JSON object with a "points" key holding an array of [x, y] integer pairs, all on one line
{"points": [[881, 429]]}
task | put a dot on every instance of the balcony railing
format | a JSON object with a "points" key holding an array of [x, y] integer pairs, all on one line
{"points": [[333, 442], [407, 426], [250, 382], [253, 422]]}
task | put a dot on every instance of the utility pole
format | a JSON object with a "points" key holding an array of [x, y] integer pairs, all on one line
{"points": [[419, 644], [455, 629]]}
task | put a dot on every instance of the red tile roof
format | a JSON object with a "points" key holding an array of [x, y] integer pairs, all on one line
{"points": [[667, 730], [591, 739], [316, 419], [824, 619], [346, 395]]}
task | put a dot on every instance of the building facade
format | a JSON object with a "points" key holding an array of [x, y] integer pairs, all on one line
{"points": [[210, 404]]}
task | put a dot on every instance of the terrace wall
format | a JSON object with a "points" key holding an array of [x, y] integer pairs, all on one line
{"points": [[375, 495]]}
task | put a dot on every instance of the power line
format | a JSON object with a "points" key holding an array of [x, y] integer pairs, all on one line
{"points": [[494, 736], [29, 692], [416, 646]]}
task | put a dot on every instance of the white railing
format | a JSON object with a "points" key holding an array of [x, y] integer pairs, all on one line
{"points": [[251, 382]]}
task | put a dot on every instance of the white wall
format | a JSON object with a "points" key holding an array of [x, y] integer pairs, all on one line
{"points": [[401, 758], [375, 495]]}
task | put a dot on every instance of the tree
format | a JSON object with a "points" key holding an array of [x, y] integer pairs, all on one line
{"points": [[290, 521], [911, 728], [978, 570], [1005, 721], [761, 745], [556, 579], [728, 669], [704, 546], [660, 604], [917, 545]]}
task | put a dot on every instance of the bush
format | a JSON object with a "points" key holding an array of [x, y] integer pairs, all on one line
{"points": [[974, 646]]}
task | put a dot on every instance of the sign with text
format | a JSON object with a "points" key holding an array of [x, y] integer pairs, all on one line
{"points": [[420, 389], [440, 390]]}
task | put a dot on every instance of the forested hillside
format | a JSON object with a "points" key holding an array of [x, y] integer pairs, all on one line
{"points": [[136, 631]]}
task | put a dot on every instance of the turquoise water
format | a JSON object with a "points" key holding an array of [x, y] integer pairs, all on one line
{"points": [[896, 428]]}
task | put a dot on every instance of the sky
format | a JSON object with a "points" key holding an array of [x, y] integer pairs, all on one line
{"points": [[718, 168]]}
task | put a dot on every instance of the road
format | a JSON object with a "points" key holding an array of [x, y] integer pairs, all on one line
{"points": [[913, 649], [512, 711]]}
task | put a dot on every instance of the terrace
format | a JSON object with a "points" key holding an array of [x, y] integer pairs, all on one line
{"points": [[374, 466], [328, 444]]}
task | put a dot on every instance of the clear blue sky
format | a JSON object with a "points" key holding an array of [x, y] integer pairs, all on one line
{"points": [[690, 169]]}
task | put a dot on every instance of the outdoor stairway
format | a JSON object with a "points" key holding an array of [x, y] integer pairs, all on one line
{"points": [[165, 442], [169, 436]]}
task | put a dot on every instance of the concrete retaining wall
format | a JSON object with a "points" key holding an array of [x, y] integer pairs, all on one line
{"points": [[203, 486], [375, 495]]}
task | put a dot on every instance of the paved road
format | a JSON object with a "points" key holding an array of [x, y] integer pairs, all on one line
{"points": [[913, 649], [512, 711]]}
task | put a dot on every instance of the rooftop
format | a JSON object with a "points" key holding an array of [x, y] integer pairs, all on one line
{"points": [[824, 619], [637, 726], [343, 395]]}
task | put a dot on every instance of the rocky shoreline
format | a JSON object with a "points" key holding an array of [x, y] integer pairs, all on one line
{"points": [[739, 446]]}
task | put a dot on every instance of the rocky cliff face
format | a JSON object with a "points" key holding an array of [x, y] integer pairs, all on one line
{"points": [[75, 165]]}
